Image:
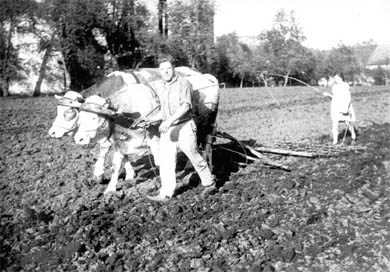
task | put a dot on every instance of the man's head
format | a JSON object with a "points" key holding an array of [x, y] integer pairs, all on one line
{"points": [[166, 67], [338, 79]]}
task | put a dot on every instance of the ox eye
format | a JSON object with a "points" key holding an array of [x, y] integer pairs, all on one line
{"points": [[70, 114]]}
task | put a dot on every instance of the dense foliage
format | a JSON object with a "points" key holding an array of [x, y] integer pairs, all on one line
{"points": [[12, 13], [98, 36]]}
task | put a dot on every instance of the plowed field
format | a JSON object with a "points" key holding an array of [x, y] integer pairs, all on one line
{"points": [[330, 213]]}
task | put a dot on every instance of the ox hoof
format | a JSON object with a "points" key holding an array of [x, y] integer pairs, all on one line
{"points": [[109, 190], [130, 182], [130, 176], [98, 179]]}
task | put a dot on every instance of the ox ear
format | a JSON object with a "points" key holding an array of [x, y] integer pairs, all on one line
{"points": [[108, 103], [57, 97]]}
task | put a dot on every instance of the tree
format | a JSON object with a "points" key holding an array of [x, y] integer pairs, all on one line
{"points": [[235, 57], [73, 22], [261, 65], [381, 76], [163, 17], [343, 60], [126, 31], [283, 45], [94, 33], [191, 31], [12, 12], [47, 47]]}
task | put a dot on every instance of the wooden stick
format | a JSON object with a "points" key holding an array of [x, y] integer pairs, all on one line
{"points": [[241, 154], [285, 152], [266, 160], [261, 158]]}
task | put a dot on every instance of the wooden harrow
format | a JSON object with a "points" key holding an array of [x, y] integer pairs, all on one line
{"points": [[305, 149]]}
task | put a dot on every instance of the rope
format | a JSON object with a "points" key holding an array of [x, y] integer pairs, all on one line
{"points": [[300, 81], [142, 119], [149, 153], [239, 153], [214, 85]]}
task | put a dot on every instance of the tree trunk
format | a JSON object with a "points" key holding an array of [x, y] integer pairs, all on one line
{"points": [[3, 87], [286, 79], [6, 76], [42, 70], [163, 18], [193, 62], [242, 81], [264, 80], [65, 71]]}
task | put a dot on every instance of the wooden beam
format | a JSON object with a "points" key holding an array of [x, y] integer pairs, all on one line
{"points": [[286, 152], [266, 160], [259, 156]]}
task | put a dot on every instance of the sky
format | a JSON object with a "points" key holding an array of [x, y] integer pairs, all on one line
{"points": [[325, 23]]}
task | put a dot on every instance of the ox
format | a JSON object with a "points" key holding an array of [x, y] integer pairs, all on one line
{"points": [[67, 119], [138, 101], [341, 108]]}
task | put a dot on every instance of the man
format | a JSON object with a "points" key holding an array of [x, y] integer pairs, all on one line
{"points": [[341, 107], [178, 130]]}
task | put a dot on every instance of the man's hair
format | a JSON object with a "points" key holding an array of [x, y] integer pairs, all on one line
{"points": [[165, 58], [340, 74]]}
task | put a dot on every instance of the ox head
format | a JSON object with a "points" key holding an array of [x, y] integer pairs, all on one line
{"points": [[66, 121], [93, 120]]}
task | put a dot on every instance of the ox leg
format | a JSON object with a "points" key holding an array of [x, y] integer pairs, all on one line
{"points": [[116, 166], [130, 174], [99, 165]]}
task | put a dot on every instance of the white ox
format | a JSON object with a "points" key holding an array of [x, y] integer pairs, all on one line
{"points": [[341, 108], [140, 101], [67, 119]]}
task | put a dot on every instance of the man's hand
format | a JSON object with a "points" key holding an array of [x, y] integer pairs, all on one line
{"points": [[183, 109], [165, 125]]}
